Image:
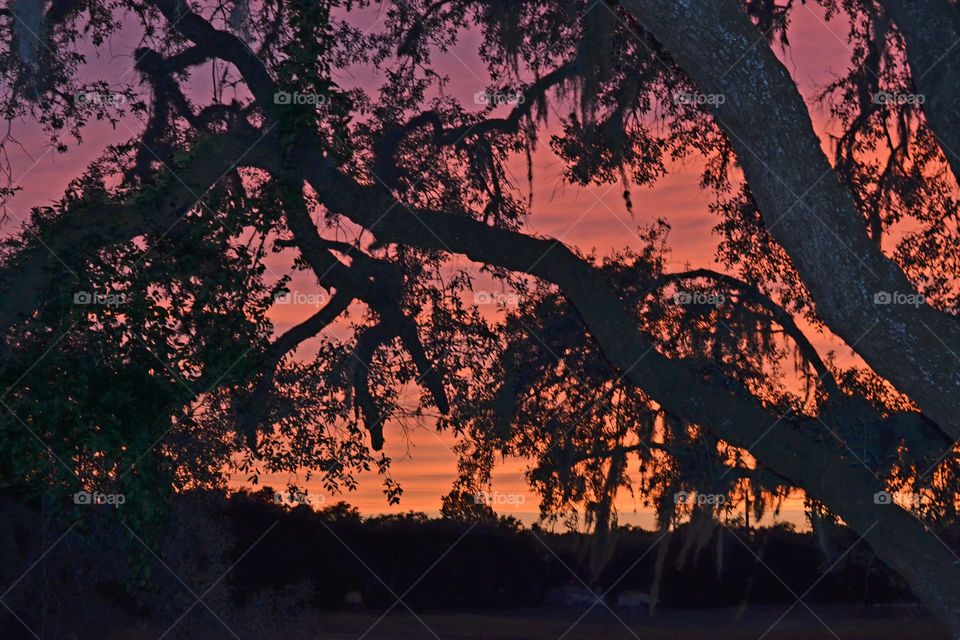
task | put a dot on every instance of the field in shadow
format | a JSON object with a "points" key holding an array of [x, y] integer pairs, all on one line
{"points": [[770, 623]]}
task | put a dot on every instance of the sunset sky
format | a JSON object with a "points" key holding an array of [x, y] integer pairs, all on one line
{"points": [[591, 217]]}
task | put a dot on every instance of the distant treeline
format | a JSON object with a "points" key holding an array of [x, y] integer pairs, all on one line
{"points": [[248, 554], [450, 564]]}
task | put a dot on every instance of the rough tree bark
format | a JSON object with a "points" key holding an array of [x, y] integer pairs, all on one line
{"points": [[805, 206]]}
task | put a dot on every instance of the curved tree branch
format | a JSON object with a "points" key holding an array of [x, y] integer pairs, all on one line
{"points": [[778, 313], [253, 417]]}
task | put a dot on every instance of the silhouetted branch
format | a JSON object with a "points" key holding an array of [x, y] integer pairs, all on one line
{"points": [[253, 417], [930, 28], [778, 313], [29, 278]]}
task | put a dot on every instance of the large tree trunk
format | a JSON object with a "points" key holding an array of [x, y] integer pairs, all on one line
{"points": [[805, 206]]}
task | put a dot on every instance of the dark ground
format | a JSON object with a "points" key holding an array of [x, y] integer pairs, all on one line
{"points": [[835, 622], [243, 568]]}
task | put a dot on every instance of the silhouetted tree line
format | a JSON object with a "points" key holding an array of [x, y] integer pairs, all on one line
{"points": [[455, 564], [481, 565], [307, 559], [495, 564]]}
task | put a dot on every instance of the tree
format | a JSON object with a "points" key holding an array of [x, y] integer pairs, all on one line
{"points": [[178, 223]]}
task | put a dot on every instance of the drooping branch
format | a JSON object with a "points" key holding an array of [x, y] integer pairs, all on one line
{"points": [[376, 282], [253, 417], [778, 314], [168, 102], [368, 342]]}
